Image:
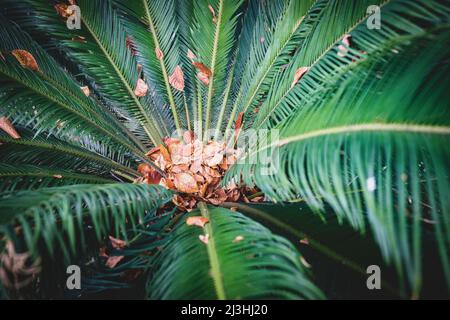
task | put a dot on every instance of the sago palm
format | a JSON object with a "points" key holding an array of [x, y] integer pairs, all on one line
{"points": [[230, 149]]}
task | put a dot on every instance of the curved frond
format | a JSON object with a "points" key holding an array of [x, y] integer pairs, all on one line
{"points": [[261, 265], [372, 148], [13, 177], [58, 216]]}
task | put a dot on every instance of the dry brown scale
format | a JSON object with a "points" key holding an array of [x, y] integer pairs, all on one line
{"points": [[195, 169]]}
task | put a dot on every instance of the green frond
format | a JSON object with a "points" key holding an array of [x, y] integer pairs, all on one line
{"points": [[261, 265], [148, 238], [284, 38], [103, 57], [373, 149], [212, 44], [59, 154], [14, 177], [402, 22], [57, 218], [49, 95]]}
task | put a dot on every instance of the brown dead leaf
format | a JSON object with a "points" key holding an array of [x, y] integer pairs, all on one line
{"points": [[164, 152], [85, 90], [62, 10], [141, 88], [343, 48], [112, 261], [195, 169], [211, 9], [202, 69], [117, 243], [185, 182], [17, 270], [153, 177], [189, 137], [238, 123], [144, 169], [25, 59], [159, 53], [203, 78], [191, 55], [198, 221], [204, 238], [304, 241], [102, 252], [299, 74], [153, 153], [7, 126], [130, 45], [80, 39], [176, 79]]}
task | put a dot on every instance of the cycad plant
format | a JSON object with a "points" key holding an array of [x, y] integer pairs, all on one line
{"points": [[225, 149]]}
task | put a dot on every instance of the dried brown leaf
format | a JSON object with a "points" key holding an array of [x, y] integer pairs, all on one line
{"points": [[112, 261], [204, 238], [191, 55], [202, 69], [203, 78], [299, 74], [85, 90], [141, 88], [62, 10], [176, 79], [185, 182], [7, 126], [198, 221], [159, 53], [117, 243]]}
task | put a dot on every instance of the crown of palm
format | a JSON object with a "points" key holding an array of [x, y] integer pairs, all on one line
{"points": [[129, 128]]}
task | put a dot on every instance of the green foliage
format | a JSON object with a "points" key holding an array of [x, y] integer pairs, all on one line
{"points": [[362, 138], [57, 216]]}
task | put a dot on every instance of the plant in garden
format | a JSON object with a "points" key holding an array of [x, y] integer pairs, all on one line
{"points": [[229, 149]]}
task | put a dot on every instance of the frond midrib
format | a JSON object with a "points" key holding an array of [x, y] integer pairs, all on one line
{"points": [[213, 67], [71, 151], [355, 128], [150, 130], [213, 256], [163, 67], [50, 172]]}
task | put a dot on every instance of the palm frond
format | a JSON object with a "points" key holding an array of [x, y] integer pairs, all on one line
{"points": [[402, 21], [226, 268], [103, 57], [213, 39], [50, 93], [13, 177], [56, 217], [372, 148], [56, 153], [283, 34]]}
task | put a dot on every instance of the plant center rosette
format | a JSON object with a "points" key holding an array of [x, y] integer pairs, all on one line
{"points": [[195, 169]]}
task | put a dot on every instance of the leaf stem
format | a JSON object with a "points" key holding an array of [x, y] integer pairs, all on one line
{"points": [[213, 69]]}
